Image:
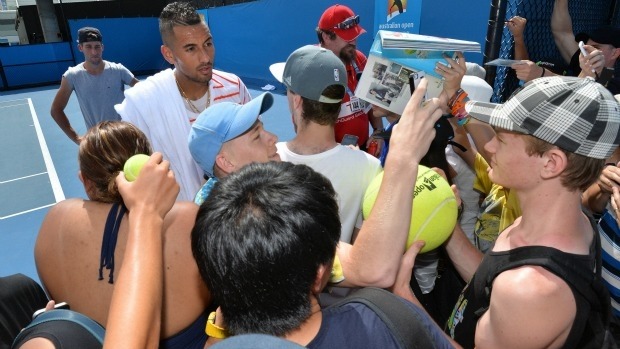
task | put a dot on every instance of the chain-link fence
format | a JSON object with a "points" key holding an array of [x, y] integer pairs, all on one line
{"points": [[585, 15]]}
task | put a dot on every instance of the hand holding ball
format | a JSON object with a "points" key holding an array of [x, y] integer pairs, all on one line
{"points": [[133, 165], [434, 210]]}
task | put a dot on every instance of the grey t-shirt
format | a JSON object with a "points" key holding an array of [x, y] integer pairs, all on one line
{"points": [[97, 94]]}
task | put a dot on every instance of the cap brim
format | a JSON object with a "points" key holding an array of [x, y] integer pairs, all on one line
{"points": [[277, 70], [350, 34], [493, 115], [248, 114]]}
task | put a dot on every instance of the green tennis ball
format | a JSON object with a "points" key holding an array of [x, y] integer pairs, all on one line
{"points": [[134, 165], [434, 210]]}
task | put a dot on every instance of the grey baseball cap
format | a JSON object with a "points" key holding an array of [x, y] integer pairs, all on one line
{"points": [[309, 70], [575, 114]]}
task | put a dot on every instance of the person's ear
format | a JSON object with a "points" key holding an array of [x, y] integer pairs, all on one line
{"points": [[80, 48], [224, 164], [297, 101], [167, 53], [325, 36], [615, 53], [556, 162], [322, 277]]}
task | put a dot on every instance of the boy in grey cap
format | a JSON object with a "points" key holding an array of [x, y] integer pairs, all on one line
{"points": [[316, 81], [98, 85]]}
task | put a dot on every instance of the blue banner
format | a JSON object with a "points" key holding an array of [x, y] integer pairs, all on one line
{"points": [[398, 15]]}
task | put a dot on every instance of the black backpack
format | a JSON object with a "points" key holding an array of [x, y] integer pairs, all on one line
{"points": [[406, 326]]}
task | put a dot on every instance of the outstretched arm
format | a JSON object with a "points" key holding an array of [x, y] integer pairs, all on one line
{"points": [[374, 259], [480, 132], [465, 256], [516, 26], [135, 310], [562, 30]]}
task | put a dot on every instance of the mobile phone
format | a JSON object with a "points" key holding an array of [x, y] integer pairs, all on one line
{"points": [[414, 81], [412, 78], [583, 50], [349, 140], [61, 305]]}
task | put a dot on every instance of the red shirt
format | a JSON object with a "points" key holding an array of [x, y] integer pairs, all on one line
{"points": [[353, 118]]}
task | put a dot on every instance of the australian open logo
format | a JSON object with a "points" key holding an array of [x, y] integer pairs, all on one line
{"points": [[336, 75], [426, 184]]}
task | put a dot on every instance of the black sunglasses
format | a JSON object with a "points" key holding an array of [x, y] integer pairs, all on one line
{"points": [[348, 23]]}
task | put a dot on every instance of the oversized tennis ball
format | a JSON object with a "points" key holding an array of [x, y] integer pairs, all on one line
{"points": [[134, 165], [434, 210]]}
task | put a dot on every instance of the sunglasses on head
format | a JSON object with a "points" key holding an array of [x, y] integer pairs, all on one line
{"points": [[348, 23]]}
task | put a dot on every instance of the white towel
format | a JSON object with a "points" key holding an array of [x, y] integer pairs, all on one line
{"points": [[156, 107]]}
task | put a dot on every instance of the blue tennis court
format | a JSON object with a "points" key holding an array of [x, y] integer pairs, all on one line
{"points": [[39, 167], [28, 180]]}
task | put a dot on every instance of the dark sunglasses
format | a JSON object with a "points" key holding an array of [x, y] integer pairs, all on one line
{"points": [[348, 23]]}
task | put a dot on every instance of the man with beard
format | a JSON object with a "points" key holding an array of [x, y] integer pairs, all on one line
{"points": [[166, 104], [338, 31], [98, 85]]}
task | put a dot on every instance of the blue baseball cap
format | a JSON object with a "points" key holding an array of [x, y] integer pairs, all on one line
{"points": [[221, 123]]}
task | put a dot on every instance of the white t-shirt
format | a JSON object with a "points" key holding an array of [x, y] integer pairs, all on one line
{"points": [[350, 172]]}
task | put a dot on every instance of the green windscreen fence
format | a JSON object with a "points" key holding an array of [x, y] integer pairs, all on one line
{"points": [[585, 15]]}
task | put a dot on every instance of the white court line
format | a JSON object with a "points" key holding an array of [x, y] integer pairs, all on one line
{"points": [[15, 100], [51, 170], [11, 106], [17, 179], [30, 210]]}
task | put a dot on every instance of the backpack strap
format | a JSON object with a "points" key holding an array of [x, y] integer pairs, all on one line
{"points": [[87, 323], [406, 326]]}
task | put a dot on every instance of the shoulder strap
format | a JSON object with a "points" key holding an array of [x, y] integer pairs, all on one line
{"points": [[87, 323], [406, 326]]}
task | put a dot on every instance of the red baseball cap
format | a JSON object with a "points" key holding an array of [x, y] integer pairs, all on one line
{"points": [[342, 21]]}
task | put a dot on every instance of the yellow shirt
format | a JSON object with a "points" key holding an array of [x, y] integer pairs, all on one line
{"points": [[498, 210]]}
